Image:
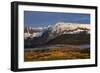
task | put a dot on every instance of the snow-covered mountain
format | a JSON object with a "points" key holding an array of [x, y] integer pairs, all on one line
{"points": [[70, 28], [37, 36], [67, 28], [30, 32], [58, 29]]}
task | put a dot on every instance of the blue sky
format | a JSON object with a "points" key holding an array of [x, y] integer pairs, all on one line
{"points": [[43, 19]]}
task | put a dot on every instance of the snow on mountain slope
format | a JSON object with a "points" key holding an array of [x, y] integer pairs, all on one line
{"points": [[58, 29], [68, 28], [30, 32], [71, 27]]}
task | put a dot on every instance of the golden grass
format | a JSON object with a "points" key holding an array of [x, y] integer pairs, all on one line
{"points": [[56, 54]]}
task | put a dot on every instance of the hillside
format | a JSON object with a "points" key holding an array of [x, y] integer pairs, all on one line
{"points": [[71, 39]]}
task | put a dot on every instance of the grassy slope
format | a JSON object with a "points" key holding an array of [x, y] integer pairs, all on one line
{"points": [[56, 54]]}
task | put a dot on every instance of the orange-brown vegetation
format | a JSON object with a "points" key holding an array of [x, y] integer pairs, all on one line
{"points": [[56, 54]]}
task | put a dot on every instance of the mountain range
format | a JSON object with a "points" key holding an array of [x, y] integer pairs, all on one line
{"points": [[66, 33]]}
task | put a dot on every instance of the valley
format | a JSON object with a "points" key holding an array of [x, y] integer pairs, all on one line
{"points": [[57, 52]]}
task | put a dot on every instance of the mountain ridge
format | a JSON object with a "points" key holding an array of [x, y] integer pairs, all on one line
{"points": [[59, 31]]}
